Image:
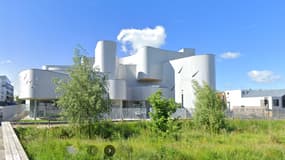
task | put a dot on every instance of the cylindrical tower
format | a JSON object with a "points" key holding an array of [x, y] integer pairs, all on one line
{"points": [[200, 68], [105, 58]]}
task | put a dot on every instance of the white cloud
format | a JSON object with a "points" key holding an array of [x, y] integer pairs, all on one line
{"points": [[230, 55], [263, 76], [134, 39], [5, 61]]}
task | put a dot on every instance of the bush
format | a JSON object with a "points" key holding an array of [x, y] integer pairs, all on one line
{"points": [[127, 130], [209, 109], [111, 130], [104, 129], [162, 109], [62, 132]]}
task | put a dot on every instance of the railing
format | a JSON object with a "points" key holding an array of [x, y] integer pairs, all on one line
{"points": [[12, 146], [140, 113], [182, 113], [256, 113]]}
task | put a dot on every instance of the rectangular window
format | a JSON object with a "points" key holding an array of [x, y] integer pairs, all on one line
{"points": [[276, 102]]}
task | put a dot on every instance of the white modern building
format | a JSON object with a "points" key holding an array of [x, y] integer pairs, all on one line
{"points": [[37, 88], [255, 99], [131, 79], [6, 91]]}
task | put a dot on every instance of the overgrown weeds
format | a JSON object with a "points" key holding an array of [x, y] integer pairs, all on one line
{"points": [[247, 139]]}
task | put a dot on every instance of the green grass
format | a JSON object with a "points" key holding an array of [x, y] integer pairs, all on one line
{"points": [[245, 139], [33, 121]]}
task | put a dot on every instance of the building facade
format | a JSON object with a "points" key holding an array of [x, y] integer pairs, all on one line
{"points": [[37, 88], [6, 91], [255, 99], [132, 79]]}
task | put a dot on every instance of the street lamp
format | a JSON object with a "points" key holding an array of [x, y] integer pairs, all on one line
{"points": [[182, 99]]}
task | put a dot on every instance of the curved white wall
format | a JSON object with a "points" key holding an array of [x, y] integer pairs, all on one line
{"points": [[105, 58], [142, 63], [200, 68], [38, 84], [205, 66], [117, 89], [142, 93], [150, 61], [57, 68]]}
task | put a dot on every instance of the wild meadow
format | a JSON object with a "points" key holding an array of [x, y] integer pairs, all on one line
{"points": [[243, 139]]}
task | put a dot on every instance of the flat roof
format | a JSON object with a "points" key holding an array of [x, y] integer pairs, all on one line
{"points": [[262, 93]]}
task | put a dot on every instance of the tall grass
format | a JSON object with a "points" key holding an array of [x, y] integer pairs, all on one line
{"points": [[244, 139]]}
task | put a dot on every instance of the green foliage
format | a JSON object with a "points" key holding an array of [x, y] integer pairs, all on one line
{"points": [[83, 98], [167, 153], [249, 139], [109, 130], [209, 109], [162, 109], [19, 101]]}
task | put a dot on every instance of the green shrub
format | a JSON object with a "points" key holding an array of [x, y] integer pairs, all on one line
{"points": [[164, 153], [209, 109], [104, 129], [62, 132], [126, 130], [162, 109]]}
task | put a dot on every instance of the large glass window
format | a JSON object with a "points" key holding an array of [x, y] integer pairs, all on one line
{"points": [[276, 102]]}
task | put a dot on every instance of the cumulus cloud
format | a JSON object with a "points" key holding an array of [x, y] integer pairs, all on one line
{"points": [[230, 55], [263, 76], [5, 61], [134, 39]]}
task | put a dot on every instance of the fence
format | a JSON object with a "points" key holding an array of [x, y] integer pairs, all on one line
{"points": [[256, 113], [117, 113], [182, 113], [140, 113], [13, 112]]}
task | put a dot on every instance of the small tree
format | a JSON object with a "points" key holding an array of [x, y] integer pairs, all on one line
{"points": [[19, 101], [209, 109], [83, 97], [162, 109]]}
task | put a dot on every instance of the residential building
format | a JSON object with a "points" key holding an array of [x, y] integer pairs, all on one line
{"points": [[6, 91], [131, 79], [255, 99]]}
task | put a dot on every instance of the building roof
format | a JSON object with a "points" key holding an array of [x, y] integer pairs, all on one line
{"points": [[262, 93], [4, 78]]}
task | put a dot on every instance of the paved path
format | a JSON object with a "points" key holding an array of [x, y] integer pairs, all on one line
{"points": [[2, 153]]}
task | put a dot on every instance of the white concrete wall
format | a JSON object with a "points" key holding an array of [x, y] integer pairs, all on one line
{"points": [[117, 89], [105, 53], [13, 112], [256, 101], [38, 84], [200, 68], [152, 67], [150, 61], [234, 100], [142, 93]]}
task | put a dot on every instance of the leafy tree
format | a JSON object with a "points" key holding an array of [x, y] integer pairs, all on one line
{"points": [[209, 109], [19, 101], [83, 97], [162, 109]]}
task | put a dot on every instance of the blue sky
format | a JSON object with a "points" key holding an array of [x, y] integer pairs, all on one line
{"points": [[247, 37]]}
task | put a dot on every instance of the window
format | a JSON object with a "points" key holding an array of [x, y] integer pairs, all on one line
{"points": [[265, 102], [276, 102]]}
